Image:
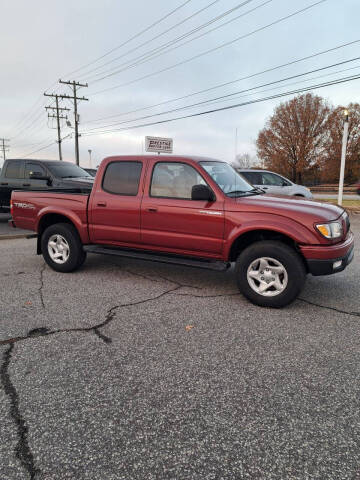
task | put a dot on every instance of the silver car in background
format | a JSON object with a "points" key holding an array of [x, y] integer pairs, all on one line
{"points": [[272, 182]]}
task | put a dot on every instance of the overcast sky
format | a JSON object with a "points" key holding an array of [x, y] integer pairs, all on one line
{"points": [[43, 41]]}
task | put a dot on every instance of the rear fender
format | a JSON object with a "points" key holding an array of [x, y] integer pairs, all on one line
{"points": [[44, 219]]}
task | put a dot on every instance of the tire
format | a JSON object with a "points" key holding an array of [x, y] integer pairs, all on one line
{"points": [[282, 285], [299, 195], [62, 240]]}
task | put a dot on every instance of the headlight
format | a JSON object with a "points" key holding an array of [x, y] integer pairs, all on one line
{"points": [[330, 230]]}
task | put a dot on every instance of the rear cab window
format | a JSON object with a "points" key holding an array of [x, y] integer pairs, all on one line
{"points": [[66, 170], [14, 169], [122, 178]]}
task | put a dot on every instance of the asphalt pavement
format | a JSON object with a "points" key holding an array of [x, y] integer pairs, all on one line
{"points": [[136, 370], [6, 231]]}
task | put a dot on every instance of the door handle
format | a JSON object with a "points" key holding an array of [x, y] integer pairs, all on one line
{"points": [[4, 183], [26, 184], [101, 204], [152, 209]]}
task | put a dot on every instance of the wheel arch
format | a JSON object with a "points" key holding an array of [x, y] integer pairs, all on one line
{"points": [[46, 221], [243, 240]]}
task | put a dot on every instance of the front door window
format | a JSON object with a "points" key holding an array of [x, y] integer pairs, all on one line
{"points": [[174, 180]]}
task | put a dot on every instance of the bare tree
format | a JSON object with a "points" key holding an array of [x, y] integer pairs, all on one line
{"points": [[243, 160]]}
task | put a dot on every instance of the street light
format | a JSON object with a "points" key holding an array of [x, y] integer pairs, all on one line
{"points": [[343, 155], [90, 156]]}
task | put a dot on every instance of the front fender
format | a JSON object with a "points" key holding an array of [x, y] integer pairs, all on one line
{"points": [[275, 223]]}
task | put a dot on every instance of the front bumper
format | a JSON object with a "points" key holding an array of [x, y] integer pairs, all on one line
{"points": [[325, 260], [327, 267]]}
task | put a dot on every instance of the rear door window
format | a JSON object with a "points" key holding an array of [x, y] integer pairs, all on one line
{"points": [[122, 178], [253, 177], [34, 167], [272, 180], [14, 169]]}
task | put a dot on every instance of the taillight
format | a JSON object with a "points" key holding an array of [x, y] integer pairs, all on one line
{"points": [[11, 208]]}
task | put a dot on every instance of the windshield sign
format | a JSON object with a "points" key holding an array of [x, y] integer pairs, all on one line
{"points": [[230, 182], [67, 170]]}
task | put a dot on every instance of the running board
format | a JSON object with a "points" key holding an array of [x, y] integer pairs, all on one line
{"points": [[153, 257]]}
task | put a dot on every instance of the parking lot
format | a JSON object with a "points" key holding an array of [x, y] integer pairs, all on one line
{"points": [[137, 370]]}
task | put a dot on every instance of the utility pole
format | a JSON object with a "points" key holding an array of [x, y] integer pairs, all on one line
{"points": [[343, 156], [4, 147], [58, 117], [75, 98], [236, 143]]}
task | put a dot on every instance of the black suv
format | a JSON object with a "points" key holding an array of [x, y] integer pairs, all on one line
{"points": [[21, 174]]}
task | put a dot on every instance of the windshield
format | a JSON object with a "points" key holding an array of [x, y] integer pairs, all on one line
{"points": [[67, 170], [230, 182]]}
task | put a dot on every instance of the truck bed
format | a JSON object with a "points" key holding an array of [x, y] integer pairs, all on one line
{"points": [[28, 207]]}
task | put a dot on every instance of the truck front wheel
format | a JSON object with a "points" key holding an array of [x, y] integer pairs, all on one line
{"points": [[61, 248], [270, 273]]}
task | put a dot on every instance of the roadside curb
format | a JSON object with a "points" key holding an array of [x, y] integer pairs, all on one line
{"points": [[15, 236]]}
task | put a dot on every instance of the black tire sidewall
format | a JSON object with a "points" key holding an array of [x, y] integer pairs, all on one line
{"points": [[285, 255], [77, 254]]}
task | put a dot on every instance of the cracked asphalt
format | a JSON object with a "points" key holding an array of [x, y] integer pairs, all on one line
{"points": [[136, 370]]}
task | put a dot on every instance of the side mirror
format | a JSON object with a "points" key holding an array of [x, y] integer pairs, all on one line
{"points": [[202, 192], [40, 176]]}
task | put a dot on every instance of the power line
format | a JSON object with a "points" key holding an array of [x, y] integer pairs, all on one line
{"points": [[32, 144], [227, 97], [292, 62], [155, 37], [232, 94], [131, 38], [38, 150], [237, 39], [155, 52], [212, 102], [207, 112], [222, 97], [29, 115], [33, 122]]}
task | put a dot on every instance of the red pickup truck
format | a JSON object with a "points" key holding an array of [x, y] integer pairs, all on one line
{"points": [[190, 211]]}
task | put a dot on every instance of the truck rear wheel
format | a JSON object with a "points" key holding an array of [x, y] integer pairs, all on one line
{"points": [[270, 273], [61, 248]]}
